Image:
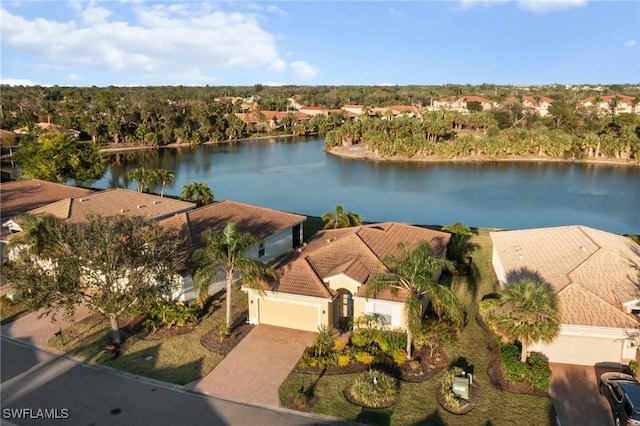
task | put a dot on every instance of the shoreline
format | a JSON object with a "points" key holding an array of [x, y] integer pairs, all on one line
{"points": [[360, 153], [357, 152]]}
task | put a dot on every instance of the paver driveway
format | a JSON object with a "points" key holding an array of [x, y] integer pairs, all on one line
{"points": [[255, 368], [574, 390]]}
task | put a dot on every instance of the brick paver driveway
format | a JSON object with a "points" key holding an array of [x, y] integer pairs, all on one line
{"points": [[254, 370], [574, 390]]}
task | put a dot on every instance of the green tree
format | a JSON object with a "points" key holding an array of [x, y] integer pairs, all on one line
{"points": [[57, 157], [109, 265], [164, 177], [459, 246], [413, 272], [142, 177], [527, 312], [341, 219], [197, 192], [226, 252]]}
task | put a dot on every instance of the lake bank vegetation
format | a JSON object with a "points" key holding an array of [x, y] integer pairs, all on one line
{"points": [[512, 123]]}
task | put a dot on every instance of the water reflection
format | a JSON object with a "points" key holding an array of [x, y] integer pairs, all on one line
{"points": [[300, 177]]}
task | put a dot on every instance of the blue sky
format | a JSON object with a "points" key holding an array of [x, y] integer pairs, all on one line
{"points": [[141, 43]]}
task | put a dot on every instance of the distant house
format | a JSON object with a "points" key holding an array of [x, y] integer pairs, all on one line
{"points": [[460, 103], [314, 110], [596, 277], [279, 232], [615, 103], [323, 283], [539, 104], [354, 109]]}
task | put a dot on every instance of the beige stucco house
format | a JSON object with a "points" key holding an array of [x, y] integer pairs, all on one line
{"points": [[596, 277], [615, 104], [278, 233], [323, 283]]}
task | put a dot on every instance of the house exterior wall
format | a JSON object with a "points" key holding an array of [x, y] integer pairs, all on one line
{"points": [[288, 310], [384, 307], [498, 268], [588, 346], [342, 281]]}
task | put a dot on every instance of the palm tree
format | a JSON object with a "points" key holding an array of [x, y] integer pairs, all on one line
{"points": [[141, 177], [528, 313], [226, 251], [414, 272], [341, 219], [40, 234], [197, 192], [164, 177]]}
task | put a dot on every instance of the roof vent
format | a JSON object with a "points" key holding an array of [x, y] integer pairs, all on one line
{"points": [[155, 202], [82, 200], [122, 210], [583, 249], [521, 257], [140, 206]]}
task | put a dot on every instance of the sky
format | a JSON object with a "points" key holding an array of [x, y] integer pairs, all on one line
{"points": [[243, 43]]}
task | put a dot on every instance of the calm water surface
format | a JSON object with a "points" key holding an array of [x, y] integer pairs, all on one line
{"points": [[300, 177]]}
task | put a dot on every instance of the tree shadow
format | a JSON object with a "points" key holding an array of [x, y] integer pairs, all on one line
{"points": [[463, 363], [375, 416], [434, 419]]}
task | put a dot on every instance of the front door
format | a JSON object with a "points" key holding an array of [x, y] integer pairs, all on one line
{"points": [[344, 308]]}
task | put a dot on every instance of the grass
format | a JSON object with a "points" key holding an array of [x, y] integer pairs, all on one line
{"points": [[10, 311], [418, 404], [177, 359]]}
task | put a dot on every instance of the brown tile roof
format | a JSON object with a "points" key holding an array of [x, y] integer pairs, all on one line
{"points": [[623, 98], [259, 221], [22, 196], [470, 98], [113, 202], [592, 271], [356, 252], [531, 99]]}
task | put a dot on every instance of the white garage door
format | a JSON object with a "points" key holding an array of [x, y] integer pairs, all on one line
{"points": [[288, 314], [584, 350]]}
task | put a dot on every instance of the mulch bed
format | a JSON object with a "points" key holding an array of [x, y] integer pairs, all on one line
{"points": [[426, 369], [133, 326], [465, 406], [385, 404], [239, 331], [495, 371]]}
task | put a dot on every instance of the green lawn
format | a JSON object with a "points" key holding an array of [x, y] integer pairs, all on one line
{"points": [[418, 404], [10, 311], [178, 359]]}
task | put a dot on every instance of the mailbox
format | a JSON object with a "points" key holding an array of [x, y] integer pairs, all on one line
{"points": [[460, 387]]}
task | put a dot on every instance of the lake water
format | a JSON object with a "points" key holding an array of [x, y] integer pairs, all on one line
{"points": [[300, 177]]}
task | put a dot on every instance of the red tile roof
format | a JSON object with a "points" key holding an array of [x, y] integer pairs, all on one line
{"points": [[356, 252], [623, 98]]}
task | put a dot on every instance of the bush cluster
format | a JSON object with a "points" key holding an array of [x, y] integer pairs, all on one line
{"points": [[535, 372], [446, 387], [374, 389], [168, 314]]}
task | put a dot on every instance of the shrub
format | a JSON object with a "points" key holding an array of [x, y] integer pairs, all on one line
{"points": [[323, 341], [6, 302], [374, 389], [362, 337], [338, 345], [170, 314], [399, 356], [633, 366], [364, 357], [535, 372], [435, 333], [487, 304], [344, 360]]}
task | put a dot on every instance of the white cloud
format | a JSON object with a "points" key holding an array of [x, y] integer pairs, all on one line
{"points": [[535, 6], [631, 43], [303, 70], [386, 84], [544, 6], [272, 83], [184, 40], [276, 10], [16, 82]]}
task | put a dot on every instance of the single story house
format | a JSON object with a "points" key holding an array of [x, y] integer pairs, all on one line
{"points": [[596, 277], [459, 103], [539, 104], [278, 233], [615, 103], [323, 283]]}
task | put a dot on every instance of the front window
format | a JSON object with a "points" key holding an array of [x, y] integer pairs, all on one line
{"points": [[261, 249]]}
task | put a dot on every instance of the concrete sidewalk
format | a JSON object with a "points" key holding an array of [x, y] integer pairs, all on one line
{"points": [[256, 368], [36, 331]]}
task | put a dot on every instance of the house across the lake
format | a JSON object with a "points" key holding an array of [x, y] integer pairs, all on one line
{"points": [[323, 283], [596, 277]]}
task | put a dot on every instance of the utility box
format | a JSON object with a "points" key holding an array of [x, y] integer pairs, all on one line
{"points": [[461, 387]]}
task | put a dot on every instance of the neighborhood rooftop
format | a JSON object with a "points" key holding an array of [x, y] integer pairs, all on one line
{"points": [[594, 273], [356, 252], [113, 202]]}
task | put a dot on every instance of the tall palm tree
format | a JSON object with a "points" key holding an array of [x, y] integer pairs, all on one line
{"points": [[414, 272], [341, 219], [40, 234], [164, 177], [226, 251], [528, 313], [141, 177], [197, 192]]}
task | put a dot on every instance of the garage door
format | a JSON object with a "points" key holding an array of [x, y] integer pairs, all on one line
{"points": [[584, 350], [288, 314]]}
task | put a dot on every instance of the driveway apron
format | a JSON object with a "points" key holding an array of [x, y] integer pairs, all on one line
{"points": [[574, 390], [254, 369]]}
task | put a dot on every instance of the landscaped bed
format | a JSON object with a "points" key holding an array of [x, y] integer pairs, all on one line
{"points": [[418, 403]]}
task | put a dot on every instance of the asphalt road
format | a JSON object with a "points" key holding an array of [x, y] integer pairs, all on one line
{"points": [[35, 384]]}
